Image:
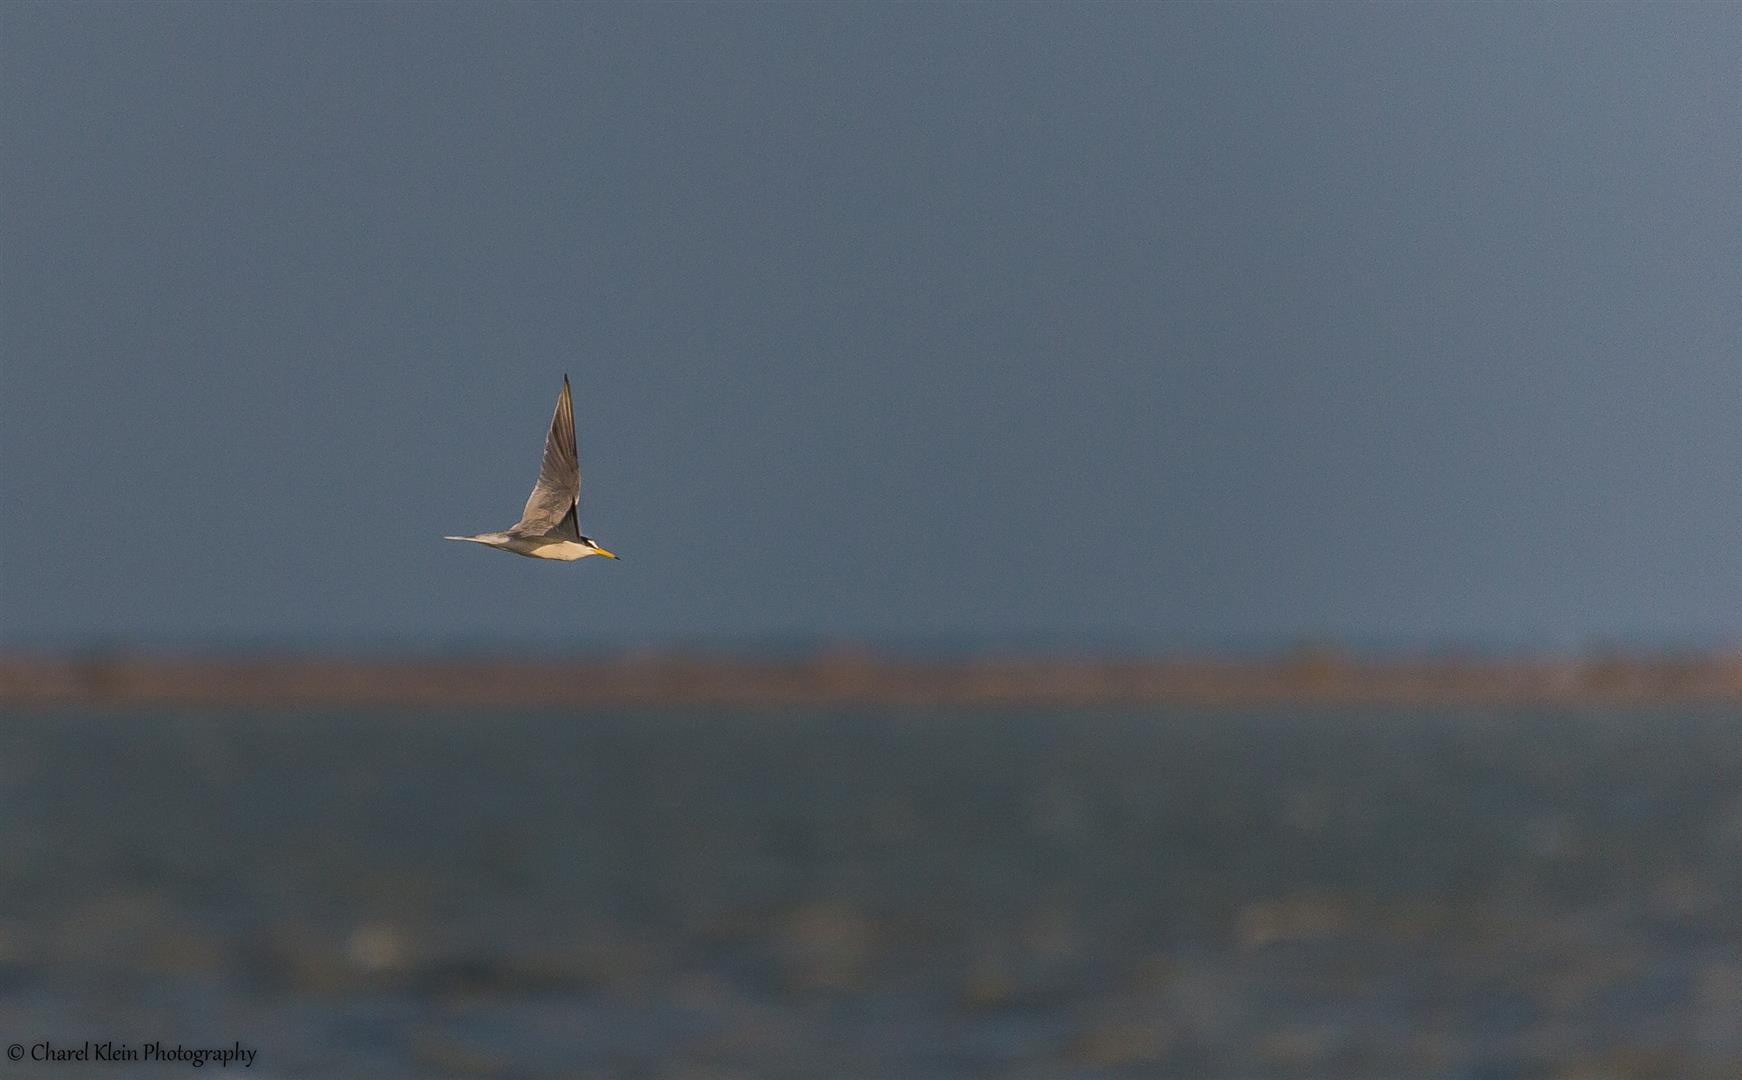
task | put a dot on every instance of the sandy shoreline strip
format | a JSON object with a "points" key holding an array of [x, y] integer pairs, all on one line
{"points": [[859, 678]]}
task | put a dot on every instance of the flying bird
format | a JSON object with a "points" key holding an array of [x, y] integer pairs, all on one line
{"points": [[548, 527]]}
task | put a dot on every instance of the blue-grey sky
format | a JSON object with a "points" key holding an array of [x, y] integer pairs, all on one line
{"points": [[1079, 323]]}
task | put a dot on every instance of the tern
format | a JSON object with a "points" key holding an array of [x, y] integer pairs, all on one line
{"points": [[548, 527]]}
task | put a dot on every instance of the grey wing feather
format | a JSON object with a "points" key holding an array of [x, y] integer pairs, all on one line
{"points": [[551, 506]]}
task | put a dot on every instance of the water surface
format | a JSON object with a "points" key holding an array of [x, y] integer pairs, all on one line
{"points": [[900, 895]]}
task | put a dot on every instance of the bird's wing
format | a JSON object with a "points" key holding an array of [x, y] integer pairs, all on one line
{"points": [[551, 506]]}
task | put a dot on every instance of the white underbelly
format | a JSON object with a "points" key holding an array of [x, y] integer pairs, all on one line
{"points": [[562, 550]]}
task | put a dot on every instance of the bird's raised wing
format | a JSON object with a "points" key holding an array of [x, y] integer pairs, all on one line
{"points": [[551, 506]]}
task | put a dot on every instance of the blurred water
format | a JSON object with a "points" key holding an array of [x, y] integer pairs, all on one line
{"points": [[901, 895]]}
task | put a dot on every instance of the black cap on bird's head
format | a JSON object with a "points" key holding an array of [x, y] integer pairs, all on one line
{"points": [[594, 544]]}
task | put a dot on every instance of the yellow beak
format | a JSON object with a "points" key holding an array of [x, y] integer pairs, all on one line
{"points": [[603, 552]]}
